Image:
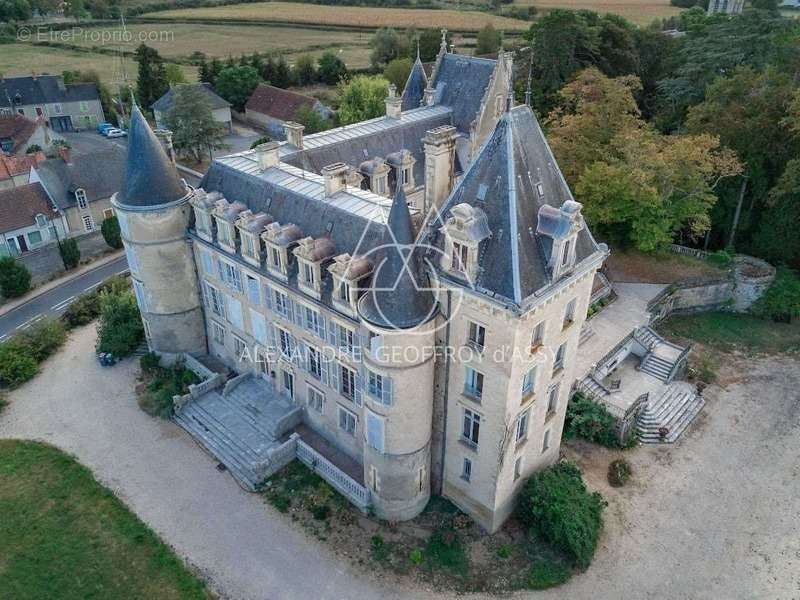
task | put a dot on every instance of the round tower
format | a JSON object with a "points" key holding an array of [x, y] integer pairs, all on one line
{"points": [[399, 312], [153, 211]]}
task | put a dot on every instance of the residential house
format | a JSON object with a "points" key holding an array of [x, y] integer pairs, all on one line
{"points": [[81, 185], [220, 108], [15, 170], [18, 133], [28, 220], [271, 108], [64, 107]]}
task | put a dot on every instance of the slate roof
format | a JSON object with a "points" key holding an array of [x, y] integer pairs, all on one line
{"points": [[400, 295], [461, 83], [150, 177], [100, 174], [414, 91], [513, 262], [19, 206], [17, 128], [44, 89], [276, 102], [166, 101]]}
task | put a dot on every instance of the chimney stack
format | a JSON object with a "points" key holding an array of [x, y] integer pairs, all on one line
{"points": [[267, 155], [440, 149], [393, 103], [335, 176], [294, 133], [65, 153]]}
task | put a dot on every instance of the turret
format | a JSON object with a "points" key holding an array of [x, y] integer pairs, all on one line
{"points": [[398, 310], [153, 211]]}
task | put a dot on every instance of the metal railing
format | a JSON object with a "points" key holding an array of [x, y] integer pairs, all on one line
{"points": [[341, 481]]}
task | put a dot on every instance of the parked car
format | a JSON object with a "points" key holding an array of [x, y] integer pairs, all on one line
{"points": [[115, 133], [103, 127]]}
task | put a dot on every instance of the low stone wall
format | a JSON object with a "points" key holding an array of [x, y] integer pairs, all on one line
{"points": [[752, 276], [45, 263]]}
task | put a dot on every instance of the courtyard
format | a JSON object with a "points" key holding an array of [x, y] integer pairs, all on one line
{"points": [[712, 516]]}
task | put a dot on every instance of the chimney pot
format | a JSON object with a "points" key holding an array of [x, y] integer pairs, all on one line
{"points": [[294, 133], [267, 155], [335, 177]]}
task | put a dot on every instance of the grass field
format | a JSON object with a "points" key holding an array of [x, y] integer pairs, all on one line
{"points": [[353, 16], [24, 59], [63, 535], [641, 12]]}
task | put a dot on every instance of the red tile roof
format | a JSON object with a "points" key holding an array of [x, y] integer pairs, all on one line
{"points": [[17, 128], [19, 206], [11, 166], [277, 103]]}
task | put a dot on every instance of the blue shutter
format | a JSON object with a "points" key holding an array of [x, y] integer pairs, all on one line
{"points": [[273, 339], [334, 375], [252, 291], [208, 263], [332, 334], [235, 313], [259, 327], [299, 314], [301, 352], [321, 327], [359, 379], [375, 431], [289, 309], [387, 390], [220, 270], [268, 296], [323, 363]]}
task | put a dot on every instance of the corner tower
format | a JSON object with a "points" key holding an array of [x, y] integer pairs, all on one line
{"points": [[153, 211], [399, 312]]}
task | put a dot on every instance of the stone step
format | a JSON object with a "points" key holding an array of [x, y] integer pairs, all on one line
{"points": [[586, 333], [241, 434], [655, 407], [677, 429], [264, 424], [675, 410], [668, 413]]}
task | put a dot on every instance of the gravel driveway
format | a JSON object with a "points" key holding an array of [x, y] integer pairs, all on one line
{"points": [[715, 516]]}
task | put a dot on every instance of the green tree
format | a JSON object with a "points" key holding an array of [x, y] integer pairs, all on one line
{"points": [[236, 84], [111, 232], [195, 131], [430, 41], [488, 40], [14, 10], [305, 70], [397, 72], [311, 119], [386, 45], [781, 302], [120, 330], [70, 253], [777, 238], [362, 98], [16, 367], [174, 74], [282, 77], [151, 82], [15, 279], [331, 69]]}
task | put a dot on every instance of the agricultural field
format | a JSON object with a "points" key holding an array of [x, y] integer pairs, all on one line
{"points": [[352, 16], [24, 59], [641, 12]]}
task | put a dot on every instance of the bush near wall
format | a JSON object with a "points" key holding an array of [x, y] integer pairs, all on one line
{"points": [[556, 504], [120, 330], [70, 253], [591, 421], [15, 279], [162, 384], [20, 356], [111, 232], [781, 302]]}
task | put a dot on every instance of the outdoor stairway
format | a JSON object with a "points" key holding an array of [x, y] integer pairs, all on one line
{"points": [[586, 333], [241, 426], [661, 356], [674, 409], [656, 366], [649, 337]]}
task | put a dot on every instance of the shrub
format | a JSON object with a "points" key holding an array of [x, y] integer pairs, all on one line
{"points": [[70, 253], [83, 311], [321, 512], [379, 549], [15, 279], [415, 556], [546, 574], [619, 471], [150, 362], [164, 383], [280, 501], [781, 302], [591, 421], [721, 258], [16, 365], [504, 551], [556, 504], [111, 232], [41, 339], [120, 330], [444, 551]]}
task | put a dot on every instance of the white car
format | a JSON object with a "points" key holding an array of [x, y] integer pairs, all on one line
{"points": [[115, 133]]}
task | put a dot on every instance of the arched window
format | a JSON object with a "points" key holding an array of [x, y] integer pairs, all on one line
{"points": [[80, 198]]}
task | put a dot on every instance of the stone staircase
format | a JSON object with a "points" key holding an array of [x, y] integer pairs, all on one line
{"points": [[648, 336], [674, 409], [586, 333], [656, 366], [240, 426], [661, 356]]}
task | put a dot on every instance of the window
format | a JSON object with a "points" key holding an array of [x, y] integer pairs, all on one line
{"points": [[473, 386], [406, 175], [347, 421], [286, 343], [528, 381], [308, 273], [57, 108], [138, 289], [374, 480], [202, 220], [346, 338], [472, 427], [569, 313], [258, 324], [344, 292], [108, 213], [537, 338], [216, 301], [88, 223], [517, 468], [558, 363], [552, 400], [375, 431], [522, 426], [230, 275], [477, 336], [459, 261], [239, 348], [375, 385], [34, 237], [546, 441], [252, 290], [316, 400], [281, 304], [347, 385], [84, 107], [275, 259], [41, 221], [466, 469], [223, 232], [565, 254], [312, 320], [80, 198], [218, 332], [314, 363], [234, 310]]}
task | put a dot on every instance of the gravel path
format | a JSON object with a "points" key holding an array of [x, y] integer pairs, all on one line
{"points": [[715, 516]]}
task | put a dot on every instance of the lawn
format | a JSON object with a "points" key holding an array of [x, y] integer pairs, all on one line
{"points": [[65, 536], [632, 266], [24, 59], [352, 16], [727, 332], [641, 12]]}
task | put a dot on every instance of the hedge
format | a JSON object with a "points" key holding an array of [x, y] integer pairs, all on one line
{"points": [[15, 279]]}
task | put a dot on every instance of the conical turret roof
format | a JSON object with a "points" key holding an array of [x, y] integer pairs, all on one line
{"points": [[414, 90], [400, 295], [150, 177]]}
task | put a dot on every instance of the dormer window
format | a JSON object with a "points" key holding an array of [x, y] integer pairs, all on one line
{"points": [[203, 204], [275, 259], [466, 227], [226, 214], [311, 253], [460, 258], [344, 292], [347, 272], [250, 226], [278, 239], [308, 274], [559, 228], [80, 198]]}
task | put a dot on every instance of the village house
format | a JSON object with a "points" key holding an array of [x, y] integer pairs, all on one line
{"points": [[271, 108], [15, 170], [18, 134], [28, 220], [220, 108]]}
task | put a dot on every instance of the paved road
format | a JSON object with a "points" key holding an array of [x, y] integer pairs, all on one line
{"points": [[55, 301]]}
